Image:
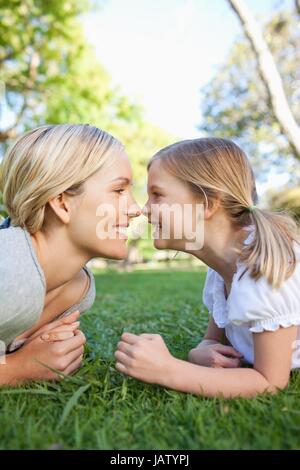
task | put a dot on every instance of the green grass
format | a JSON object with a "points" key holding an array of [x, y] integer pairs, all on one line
{"points": [[100, 409]]}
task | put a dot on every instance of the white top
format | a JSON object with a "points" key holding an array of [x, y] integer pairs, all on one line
{"points": [[254, 306]]}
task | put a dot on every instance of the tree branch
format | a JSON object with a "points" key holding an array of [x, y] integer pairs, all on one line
{"points": [[269, 74]]}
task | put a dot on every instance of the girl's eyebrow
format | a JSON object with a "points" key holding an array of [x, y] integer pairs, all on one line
{"points": [[154, 186]]}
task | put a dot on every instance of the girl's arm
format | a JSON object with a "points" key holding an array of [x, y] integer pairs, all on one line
{"points": [[147, 358], [213, 332], [211, 352]]}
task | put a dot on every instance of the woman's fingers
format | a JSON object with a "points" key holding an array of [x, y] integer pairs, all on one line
{"points": [[74, 343], [57, 336], [74, 366], [72, 317], [74, 355], [61, 332]]}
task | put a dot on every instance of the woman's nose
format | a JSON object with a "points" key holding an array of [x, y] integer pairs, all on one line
{"points": [[134, 210]]}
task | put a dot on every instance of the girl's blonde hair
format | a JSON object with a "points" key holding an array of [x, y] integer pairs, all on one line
{"points": [[48, 161], [218, 169]]}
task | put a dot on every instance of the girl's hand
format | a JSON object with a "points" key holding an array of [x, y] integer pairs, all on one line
{"points": [[210, 353], [58, 330], [28, 363], [144, 357]]}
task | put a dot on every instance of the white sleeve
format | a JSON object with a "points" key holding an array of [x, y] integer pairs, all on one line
{"points": [[260, 307], [207, 296]]}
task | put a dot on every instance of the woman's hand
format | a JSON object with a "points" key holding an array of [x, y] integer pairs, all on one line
{"points": [[144, 357], [211, 353], [31, 360], [58, 330]]}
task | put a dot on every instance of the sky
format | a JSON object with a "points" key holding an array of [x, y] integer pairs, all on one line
{"points": [[161, 52]]}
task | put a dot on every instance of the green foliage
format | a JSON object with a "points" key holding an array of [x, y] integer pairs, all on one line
{"points": [[236, 104], [49, 74], [289, 200], [98, 408]]}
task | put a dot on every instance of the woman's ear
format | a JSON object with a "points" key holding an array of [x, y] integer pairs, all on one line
{"points": [[61, 207]]}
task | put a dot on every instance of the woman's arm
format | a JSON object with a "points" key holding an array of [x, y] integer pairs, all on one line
{"points": [[28, 363], [147, 358]]}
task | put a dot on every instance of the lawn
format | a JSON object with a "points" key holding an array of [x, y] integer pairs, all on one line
{"points": [[100, 409]]}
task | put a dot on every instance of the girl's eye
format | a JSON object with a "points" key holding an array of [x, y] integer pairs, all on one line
{"points": [[156, 194], [119, 191]]}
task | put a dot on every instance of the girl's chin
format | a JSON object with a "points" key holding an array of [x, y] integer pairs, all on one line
{"points": [[161, 244]]}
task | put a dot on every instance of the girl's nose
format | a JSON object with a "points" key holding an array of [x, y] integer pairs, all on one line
{"points": [[146, 209]]}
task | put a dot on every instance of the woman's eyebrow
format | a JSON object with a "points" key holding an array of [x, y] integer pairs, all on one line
{"points": [[121, 179]]}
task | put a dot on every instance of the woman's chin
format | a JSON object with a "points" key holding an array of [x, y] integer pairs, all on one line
{"points": [[117, 251]]}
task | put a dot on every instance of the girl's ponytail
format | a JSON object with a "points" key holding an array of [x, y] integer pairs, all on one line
{"points": [[271, 253]]}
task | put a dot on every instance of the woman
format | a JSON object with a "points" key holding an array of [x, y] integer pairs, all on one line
{"points": [[252, 289], [67, 189]]}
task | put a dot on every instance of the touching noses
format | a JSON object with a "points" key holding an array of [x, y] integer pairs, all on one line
{"points": [[134, 209]]}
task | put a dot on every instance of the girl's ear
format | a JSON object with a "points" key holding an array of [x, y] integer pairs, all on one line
{"points": [[61, 207], [213, 206]]}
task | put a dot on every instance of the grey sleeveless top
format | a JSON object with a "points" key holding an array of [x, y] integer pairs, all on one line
{"points": [[23, 286]]}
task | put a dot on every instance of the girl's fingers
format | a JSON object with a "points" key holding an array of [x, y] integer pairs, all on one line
{"points": [[121, 367], [228, 362], [124, 347], [148, 336], [129, 338], [228, 351], [123, 358]]}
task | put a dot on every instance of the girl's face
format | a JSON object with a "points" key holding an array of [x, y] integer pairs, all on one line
{"points": [[102, 213], [172, 209]]}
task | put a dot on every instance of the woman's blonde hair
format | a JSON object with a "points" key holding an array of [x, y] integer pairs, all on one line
{"points": [[218, 169], [48, 161]]}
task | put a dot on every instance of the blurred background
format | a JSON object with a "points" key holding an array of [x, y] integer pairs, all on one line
{"points": [[154, 72]]}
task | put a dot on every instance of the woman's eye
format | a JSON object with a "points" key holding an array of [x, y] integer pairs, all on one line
{"points": [[119, 191], [156, 194]]}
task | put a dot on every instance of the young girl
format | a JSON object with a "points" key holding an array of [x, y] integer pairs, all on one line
{"points": [[252, 288], [67, 189]]}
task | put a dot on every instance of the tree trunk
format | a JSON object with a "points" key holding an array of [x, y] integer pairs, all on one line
{"points": [[269, 74], [297, 5]]}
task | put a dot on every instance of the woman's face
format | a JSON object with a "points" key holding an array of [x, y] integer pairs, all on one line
{"points": [[102, 213], [173, 210]]}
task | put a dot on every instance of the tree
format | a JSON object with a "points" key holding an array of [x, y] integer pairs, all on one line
{"points": [[269, 75], [38, 42], [237, 105], [288, 199], [49, 74]]}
